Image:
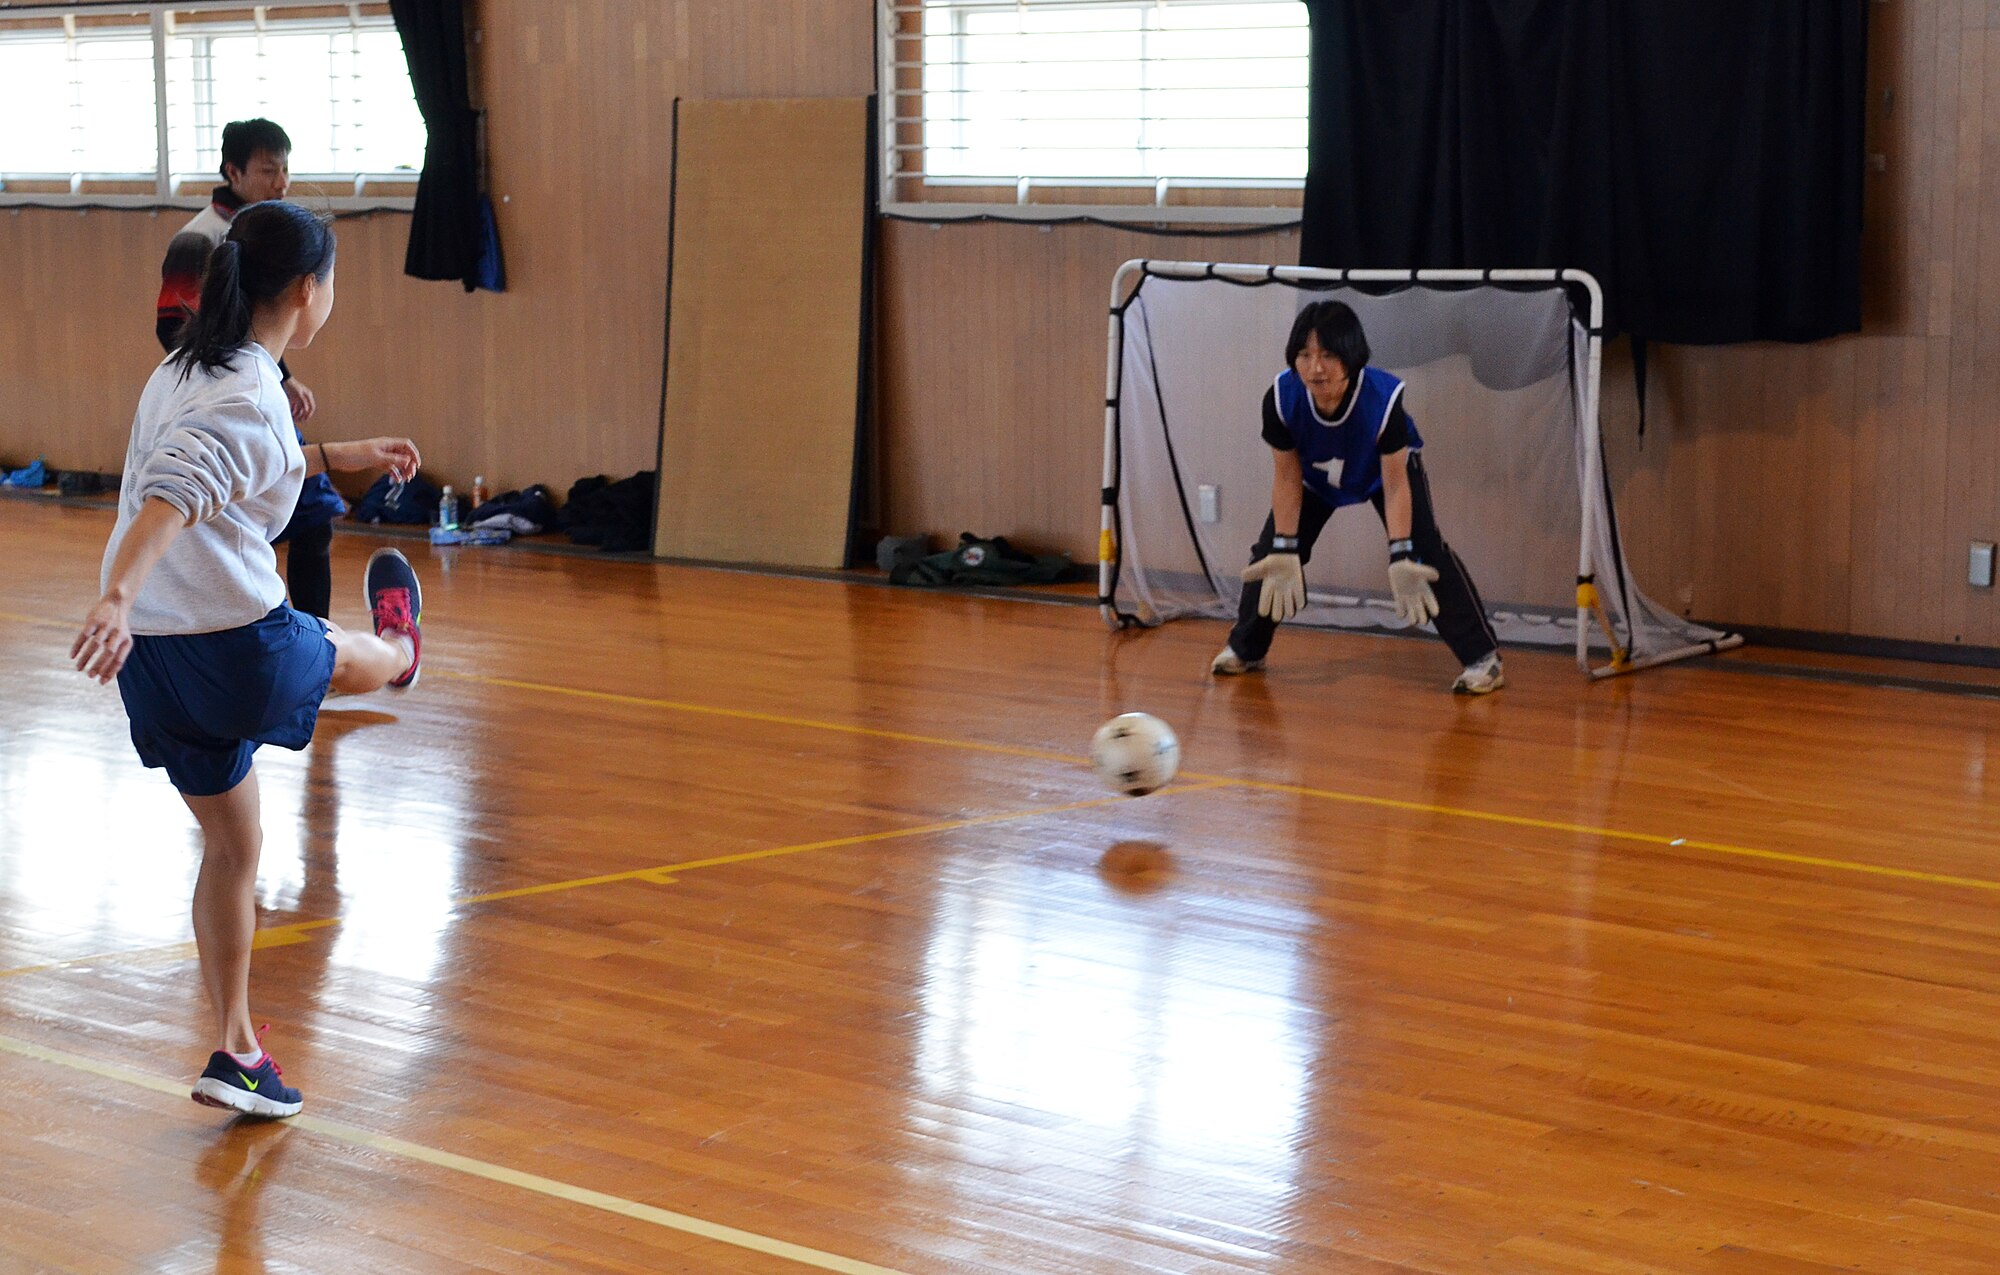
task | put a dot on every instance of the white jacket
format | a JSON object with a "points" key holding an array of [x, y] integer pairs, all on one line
{"points": [[219, 447]]}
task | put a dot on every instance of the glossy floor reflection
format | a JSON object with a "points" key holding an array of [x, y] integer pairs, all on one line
{"points": [[687, 920]]}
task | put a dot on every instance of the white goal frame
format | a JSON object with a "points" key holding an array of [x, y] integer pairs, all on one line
{"points": [[1588, 607]]}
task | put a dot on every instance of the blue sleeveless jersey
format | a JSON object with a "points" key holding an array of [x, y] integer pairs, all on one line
{"points": [[1341, 464]]}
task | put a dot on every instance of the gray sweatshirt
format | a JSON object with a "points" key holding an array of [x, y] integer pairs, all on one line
{"points": [[220, 448]]}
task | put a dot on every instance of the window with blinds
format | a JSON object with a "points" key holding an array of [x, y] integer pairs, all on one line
{"points": [[122, 100], [1026, 102]]}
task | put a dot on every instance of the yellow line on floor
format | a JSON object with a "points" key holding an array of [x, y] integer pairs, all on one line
{"points": [[683, 1222], [665, 871], [1325, 794], [1608, 834], [183, 950], [1205, 781], [660, 874], [775, 719], [276, 936]]}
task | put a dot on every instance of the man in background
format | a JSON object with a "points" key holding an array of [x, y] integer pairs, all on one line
{"points": [[256, 166]]}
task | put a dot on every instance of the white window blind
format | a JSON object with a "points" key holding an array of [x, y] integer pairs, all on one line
{"points": [[79, 102], [83, 90], [1157, 95]]}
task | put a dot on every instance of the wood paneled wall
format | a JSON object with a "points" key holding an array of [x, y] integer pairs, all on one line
{"points": [[1829, 487], [556, 378]]}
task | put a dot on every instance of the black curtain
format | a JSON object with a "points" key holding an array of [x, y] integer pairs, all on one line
{"points": [[447, 232], [1703, 158]]}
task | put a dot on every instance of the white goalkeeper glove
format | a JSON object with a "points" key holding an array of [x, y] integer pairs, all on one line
{"points": [[1284, 592], [1410, 581]]}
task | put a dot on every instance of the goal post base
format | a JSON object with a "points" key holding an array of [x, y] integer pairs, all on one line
{"points": [[1727, 642]]}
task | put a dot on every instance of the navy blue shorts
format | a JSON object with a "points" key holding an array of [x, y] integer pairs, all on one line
{"points": [[201, 703]]}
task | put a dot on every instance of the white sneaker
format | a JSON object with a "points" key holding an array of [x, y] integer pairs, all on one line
{"points": [[1482, 678], [1228, 663]]}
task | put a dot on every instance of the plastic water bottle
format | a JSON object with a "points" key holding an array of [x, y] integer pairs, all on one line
{"points": [[448, 510], [478, 497]]}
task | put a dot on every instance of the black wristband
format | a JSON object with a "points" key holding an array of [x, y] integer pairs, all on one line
{"points": [[1284, 544], [1402, 550]]}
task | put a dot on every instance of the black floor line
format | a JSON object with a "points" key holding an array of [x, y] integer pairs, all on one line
{"points": [[1882, 681]]}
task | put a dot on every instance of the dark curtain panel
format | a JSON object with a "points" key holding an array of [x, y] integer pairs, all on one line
{"points": [[447, 233], [1703, 158]]}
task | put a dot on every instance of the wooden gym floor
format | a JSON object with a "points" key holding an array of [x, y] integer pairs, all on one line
{"points": [[684, 920]]}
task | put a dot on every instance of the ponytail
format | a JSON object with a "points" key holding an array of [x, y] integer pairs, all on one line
{"points": [[222, 325], [270, 247]]}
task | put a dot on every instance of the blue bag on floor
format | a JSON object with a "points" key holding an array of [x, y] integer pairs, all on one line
{"points": [[415, 505]]}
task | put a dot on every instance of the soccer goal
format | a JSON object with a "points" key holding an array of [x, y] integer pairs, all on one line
{"points": [[1502, 369]]}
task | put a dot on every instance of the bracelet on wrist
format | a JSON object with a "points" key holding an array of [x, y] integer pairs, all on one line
{"points": [[1284, 544], [324, 464], [1400, 550]]}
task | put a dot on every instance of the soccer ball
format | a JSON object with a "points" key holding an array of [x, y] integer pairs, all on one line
{"points": [[1135, 753]]}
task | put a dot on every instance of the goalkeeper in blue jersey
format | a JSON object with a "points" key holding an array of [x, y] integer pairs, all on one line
{"points": [[1339, 436]]}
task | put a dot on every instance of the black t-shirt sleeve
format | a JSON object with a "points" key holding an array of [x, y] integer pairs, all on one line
{"points": [[1275, 432], [1395, 435]]}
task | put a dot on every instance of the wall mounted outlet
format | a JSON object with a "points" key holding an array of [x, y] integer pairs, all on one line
{"points": [[1208, 503], [1979, 565]]}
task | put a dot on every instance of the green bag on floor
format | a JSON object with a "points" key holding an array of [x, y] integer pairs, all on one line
{"points": [[978, 561]]}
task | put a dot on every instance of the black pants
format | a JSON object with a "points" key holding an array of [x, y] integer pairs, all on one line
{"points": [[1461, 618], [309, 567]]}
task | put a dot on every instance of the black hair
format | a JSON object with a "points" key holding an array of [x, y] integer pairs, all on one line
{"points": [[242, 139], [1339, 332], [270, 246]]}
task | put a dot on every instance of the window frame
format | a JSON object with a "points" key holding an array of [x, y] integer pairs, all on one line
{"points": [[905, 191], [359, 191]]}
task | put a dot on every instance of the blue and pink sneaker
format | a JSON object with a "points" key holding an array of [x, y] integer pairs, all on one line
{"points": [[396, 603], [252, 1091]]}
